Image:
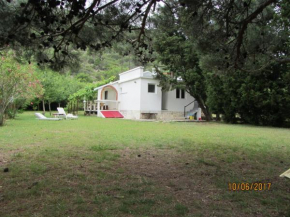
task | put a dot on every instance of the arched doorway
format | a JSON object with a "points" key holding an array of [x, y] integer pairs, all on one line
{"points": [[109, 93], [109, 98]]}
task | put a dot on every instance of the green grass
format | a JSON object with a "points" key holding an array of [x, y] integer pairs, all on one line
{"points": [[112, 167]]}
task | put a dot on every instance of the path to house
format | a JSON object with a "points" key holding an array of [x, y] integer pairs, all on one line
{"points": [[109, 167]]}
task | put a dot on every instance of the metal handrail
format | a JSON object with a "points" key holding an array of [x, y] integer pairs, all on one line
{"points": [[188, 105]]}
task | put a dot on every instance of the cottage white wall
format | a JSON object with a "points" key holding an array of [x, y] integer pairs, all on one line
{"points": [[171, 103], [130, 95], [131, 74], [150, 102]]}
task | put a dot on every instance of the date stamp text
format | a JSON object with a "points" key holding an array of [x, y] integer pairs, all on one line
{"points": [[245, 186]]}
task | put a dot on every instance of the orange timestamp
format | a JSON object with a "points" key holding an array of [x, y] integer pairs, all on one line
{"points": [[245, 186]]}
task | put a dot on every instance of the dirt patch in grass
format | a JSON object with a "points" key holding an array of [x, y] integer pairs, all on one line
{"points": [[200, 187], [5, 156], [2, 159]]}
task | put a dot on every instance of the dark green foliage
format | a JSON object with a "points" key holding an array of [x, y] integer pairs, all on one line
{"points": [[235, 34], [261, 98], [215, 93]]}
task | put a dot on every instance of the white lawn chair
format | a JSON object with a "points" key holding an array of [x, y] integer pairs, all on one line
{"points": [[42, 117], [67, 116]]}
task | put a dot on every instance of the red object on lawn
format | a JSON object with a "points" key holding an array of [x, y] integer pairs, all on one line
{"points": [[112, 114]]}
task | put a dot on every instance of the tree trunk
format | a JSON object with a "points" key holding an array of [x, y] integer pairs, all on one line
{"points": [[77, 107], [59, 104], [218, 117], [43, 105], [49, 108], [74, 111], [204, 108], [14, 109], [2, 120], [206, 112]]}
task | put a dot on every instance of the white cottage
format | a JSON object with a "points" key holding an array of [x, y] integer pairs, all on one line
{"points": [[136, 95]]}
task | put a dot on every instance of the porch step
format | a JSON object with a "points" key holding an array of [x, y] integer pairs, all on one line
{"points": [[112, 114]]}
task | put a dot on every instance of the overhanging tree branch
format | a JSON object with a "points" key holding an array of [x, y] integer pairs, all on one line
{"points": [[245, 24]]}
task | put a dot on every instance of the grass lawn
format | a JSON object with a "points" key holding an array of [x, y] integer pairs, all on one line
{"points": [[113, 167]]}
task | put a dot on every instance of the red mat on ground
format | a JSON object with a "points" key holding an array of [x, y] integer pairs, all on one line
{"points": [[112, 114]]}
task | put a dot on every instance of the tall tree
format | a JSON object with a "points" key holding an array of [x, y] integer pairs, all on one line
{"points": [[176, 53], [179, 58], [17, 82]]}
